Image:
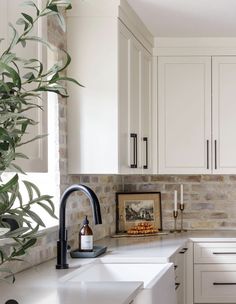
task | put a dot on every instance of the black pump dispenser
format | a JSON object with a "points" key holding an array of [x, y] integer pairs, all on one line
{"points": [[86, 221]]}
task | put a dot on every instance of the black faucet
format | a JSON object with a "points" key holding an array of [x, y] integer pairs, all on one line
{"points": [[62, 242]]}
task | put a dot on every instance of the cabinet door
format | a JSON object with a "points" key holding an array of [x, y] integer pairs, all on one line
{"points": [[224, 109], [125, 141], [184, 114], [36, 150], [134, 104], [146, 99], [214, 283], [135, 53]]}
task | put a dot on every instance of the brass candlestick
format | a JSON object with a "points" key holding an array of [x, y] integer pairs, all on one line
{"points": [[175, 215], [181, 218]]}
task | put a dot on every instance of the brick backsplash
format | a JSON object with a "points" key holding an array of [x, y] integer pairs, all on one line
{"points": [[210, 200]]}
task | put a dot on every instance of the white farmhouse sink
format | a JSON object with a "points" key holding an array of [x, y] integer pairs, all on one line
{"points": [[158, 279]]}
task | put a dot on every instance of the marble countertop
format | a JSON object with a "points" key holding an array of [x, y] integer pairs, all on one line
{"points": [[42, 284]]}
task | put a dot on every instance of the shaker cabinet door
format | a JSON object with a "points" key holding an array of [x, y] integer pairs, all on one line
{"points": [[134, 104], [224, 109], [146, 108], [184, 115]]}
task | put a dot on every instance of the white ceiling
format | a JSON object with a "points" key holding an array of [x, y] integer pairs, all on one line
{"points": [[187, 18]]}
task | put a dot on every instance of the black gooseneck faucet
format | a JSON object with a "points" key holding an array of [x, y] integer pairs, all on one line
{"points": [[62, 242]]}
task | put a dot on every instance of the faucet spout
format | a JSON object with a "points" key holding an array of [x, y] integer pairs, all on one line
{"points": [[62, 242]]}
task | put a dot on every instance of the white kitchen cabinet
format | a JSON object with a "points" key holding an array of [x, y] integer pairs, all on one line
{"points": [[214, 272], [180, 263], [138, 130], [36, 150], [110, 116], [196, 121], [224, 107], [184, 114], [146, 112]]}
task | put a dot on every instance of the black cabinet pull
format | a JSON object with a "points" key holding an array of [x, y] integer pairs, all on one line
{"points": [[177, 285], [135, 150], [218, 284], [215, 154], [207, 154], [224, 252], [183, 250], [145, 139]]}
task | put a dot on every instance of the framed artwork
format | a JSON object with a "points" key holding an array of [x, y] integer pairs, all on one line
{"points": [[137, 207]]}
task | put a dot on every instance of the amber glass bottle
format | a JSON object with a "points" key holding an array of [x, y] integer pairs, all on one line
{"points": [[86, 237]]}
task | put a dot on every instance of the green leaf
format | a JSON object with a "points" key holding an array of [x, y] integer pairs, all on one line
{"points": [[12, 74], [22, 21], [29, 76], [31, 3], [21, 155], [48, 209], [30, 140], [40, 40], [29, 243], [23, 43], [16, 233], [14, 39], [70, 80], [28, 18], [10, 184], [30, 187], [35, 217], [17, 168], [32, 232], [7, 58], [53, 8]]}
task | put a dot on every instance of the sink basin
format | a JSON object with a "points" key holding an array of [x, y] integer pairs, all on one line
{"points": [[158, 279], [97, 272]]}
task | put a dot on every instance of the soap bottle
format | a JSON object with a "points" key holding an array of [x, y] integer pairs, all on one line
{"points": [[86, 237]]}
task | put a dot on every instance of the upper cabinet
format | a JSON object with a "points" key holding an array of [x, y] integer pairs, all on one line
{"points": [[135, 68], [223, 118], [184, 100], [195, 115], [109, 120]]}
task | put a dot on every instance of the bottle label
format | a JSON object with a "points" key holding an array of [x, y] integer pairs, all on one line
{"points": [[86, 242]]}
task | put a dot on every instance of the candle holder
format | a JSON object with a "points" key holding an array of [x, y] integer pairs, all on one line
{"points": [[181, 218], [175, 215]]}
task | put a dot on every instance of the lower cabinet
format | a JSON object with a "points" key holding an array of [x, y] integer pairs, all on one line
{"points": [[179, 261], [214, 272]]}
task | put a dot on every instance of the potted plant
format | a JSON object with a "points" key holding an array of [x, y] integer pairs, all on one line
{"points": [[16, 99]]}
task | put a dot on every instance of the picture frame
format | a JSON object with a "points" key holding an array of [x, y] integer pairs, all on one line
{"points": [[136, 207]]}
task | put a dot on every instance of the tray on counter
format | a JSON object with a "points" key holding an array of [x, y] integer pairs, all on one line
{"points": [[121, 235], [97, 250]]}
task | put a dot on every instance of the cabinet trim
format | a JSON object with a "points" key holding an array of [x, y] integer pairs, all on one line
{"points": [[194, 46]]}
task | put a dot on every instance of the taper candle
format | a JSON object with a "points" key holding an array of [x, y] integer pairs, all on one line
{"points": [[181, 194], [175, 200]]}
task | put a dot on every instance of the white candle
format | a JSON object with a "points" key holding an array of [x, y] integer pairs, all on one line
{"points": [[175, 200], [181, 194]]}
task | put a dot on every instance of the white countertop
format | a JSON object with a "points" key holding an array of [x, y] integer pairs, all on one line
{"points": [[42, 284], [160, 248]]}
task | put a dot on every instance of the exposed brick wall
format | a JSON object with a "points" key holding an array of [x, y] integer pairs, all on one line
{"points": [[210, 200]]}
